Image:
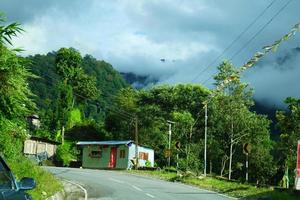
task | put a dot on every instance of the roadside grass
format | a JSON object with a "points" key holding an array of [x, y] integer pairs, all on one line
{"points": [[47, 185], [223, 186]]}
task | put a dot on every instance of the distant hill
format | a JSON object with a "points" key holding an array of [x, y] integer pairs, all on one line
{"points": [[138, 81], [109, 81]]}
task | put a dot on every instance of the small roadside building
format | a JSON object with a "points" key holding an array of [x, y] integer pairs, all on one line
{"points": [[113, 154]]}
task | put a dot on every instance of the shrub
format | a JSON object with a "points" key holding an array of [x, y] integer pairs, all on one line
{"points": [[46, 182], [148, 163], [65, 154]]}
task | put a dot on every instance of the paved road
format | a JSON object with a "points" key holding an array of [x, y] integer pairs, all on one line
{"points": [[116, 185]]}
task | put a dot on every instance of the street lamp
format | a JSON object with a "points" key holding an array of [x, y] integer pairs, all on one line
{"points": [[170, 133]]}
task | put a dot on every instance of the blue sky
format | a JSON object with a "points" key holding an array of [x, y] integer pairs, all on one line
{"points": [[135, 35]]}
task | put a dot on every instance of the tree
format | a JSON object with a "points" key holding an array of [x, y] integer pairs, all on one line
{"points": [[234, 102], [68, 66], [68, 62], [154, 107], [75, 85], [184, 133], [288, 123], [120, 116], [15, 95], [234, 123], [8, 31]]}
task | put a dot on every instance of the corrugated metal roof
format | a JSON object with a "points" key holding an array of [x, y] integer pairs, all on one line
{"points": [[111, 142]]}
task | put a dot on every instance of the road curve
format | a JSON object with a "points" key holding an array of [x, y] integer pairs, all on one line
{"points": [[117, 185]]}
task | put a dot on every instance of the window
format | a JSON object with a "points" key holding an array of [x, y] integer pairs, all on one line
{"points": [[143, 156], [96, 154], [122, 153]]}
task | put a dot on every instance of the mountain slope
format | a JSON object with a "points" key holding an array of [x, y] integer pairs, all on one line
{"points": [[108, 80]]}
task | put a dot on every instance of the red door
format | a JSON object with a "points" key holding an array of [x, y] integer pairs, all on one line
{"points": [[113, 157]]}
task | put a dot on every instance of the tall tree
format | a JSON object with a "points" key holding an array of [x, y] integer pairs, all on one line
{"points": [[76, 86], [234, 101], [288, 123]]}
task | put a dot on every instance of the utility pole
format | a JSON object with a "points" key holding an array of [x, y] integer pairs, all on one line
{"points": [[62, 134], [247, 166], [170, 135], [136, 143], [62, 131], [205, 139]]}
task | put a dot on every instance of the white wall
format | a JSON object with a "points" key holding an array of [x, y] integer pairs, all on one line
{"points": [[150, 152]]}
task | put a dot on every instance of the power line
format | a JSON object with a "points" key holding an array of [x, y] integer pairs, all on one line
{"points": [[257, 33], [235, 40], [261, 29], [121, 112]]}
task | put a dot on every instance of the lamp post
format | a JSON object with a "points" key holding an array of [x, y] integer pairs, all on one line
{"points": [[170, 135]]}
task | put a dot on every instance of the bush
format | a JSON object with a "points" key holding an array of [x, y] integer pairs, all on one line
{"points": [[65, 154], [12, 136], [170, 169], [46, 182], [148, 163]]}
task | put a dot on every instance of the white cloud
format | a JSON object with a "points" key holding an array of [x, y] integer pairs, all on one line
{"points": [[135, 35]]}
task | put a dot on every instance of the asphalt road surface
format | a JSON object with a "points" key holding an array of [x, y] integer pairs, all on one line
{"points": [[117, 185]]}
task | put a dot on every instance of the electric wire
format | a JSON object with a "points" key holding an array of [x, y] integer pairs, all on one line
{"points": [[234, 41], [254, 36]]}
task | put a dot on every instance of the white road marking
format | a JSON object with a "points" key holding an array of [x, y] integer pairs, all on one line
{"points": [[137, 188], [150, 195], [116, 180], [85, 192]]}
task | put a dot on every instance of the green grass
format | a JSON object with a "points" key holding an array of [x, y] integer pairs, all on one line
{"points": [[230, 188], [46, 182]]}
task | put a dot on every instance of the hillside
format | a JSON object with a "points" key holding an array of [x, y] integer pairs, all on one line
{"points": [[139, 81], [108, 80]]}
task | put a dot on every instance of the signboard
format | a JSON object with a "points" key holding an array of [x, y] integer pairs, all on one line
{"points": [[297, 178], [167, 153], [177, 145], [246, 148]]}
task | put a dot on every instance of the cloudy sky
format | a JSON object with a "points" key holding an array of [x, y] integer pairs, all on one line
{"points": [[135, 35]]}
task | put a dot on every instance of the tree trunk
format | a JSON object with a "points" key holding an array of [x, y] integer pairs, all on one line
{"points": [[210, 166], [62, 134], [230, 158], [224, 160], [231, 146]]}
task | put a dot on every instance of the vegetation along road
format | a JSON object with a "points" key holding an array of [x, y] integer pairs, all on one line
{"points": [[103, 184]]}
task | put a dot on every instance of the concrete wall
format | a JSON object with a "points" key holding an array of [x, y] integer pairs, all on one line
{"points": [[102, 162], [32, 147], [122, 163], [141, 150]]}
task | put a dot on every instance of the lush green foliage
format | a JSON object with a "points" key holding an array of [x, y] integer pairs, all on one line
{"points": [[15, 102], [46, 183], [230, 125], [55, 100], [66, 153], [15, 106], [153, 108], [14, 91], [289, 127]]}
